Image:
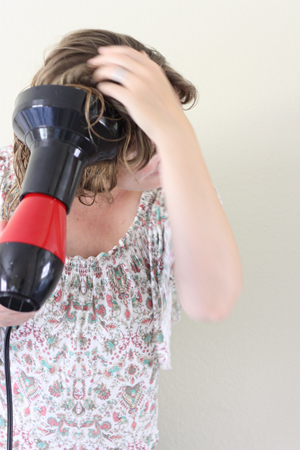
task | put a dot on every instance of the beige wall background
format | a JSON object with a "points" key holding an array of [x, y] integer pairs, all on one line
{"points": [[234, 385]]}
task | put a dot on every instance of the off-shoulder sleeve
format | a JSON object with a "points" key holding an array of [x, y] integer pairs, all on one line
{"points": [[166, 302], [7, 176]]}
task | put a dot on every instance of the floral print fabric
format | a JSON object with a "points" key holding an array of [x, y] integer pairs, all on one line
{"points": [[85, 368]]}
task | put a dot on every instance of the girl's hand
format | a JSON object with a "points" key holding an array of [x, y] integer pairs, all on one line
{"points": [[8, 317], [142, 88], [3, 224]]}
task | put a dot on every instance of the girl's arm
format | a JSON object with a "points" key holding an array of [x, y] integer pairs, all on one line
{"points": [[207, 271]]}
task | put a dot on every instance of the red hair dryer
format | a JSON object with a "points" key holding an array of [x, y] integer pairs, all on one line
{"points": [[51, 121]]}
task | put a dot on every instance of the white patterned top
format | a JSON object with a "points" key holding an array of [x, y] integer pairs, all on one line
{"points": [[85, 368]]}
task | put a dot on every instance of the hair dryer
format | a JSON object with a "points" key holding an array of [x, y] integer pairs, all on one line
{"points": [[50, 121]]}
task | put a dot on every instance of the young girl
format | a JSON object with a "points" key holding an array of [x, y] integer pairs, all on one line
{"points": [[85, 366]]}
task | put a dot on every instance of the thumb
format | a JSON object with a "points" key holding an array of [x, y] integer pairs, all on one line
{"points": [[3, 224]]}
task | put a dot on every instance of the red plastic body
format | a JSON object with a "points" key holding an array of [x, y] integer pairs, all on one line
{"points": [[39, 220]]}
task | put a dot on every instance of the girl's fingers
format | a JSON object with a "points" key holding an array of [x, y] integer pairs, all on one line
{"points": [[143, 51], [118, 75], [138, 83], [3, 224], [114, 73], [116, 60], [9, 317], [134, 62], [116, 91]]}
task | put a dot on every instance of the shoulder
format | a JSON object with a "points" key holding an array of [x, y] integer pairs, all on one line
{"points": [[157, 204], [6, 155], [7, 176], [159, 231], [6, 164]]}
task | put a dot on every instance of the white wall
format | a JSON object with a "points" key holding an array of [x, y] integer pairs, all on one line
{"points": [[234, 385]]}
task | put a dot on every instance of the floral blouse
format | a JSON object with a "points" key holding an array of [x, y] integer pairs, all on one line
{"points": [[85, 368]]}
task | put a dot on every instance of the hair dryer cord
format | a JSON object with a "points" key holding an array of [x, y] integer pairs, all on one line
{"points": [[8, 390]]}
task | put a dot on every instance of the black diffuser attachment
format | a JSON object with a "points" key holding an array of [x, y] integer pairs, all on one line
{"points": [[50, 121]]}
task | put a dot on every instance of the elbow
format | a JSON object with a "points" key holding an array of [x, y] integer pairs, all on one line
{"points": [[215, 306], [207, 315], [226, 303]]}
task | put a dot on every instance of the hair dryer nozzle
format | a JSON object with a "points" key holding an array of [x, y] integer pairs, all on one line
{"points": [[50, 120]]}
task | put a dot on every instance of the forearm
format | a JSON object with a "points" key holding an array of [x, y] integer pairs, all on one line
{"points": [[207, 268]]}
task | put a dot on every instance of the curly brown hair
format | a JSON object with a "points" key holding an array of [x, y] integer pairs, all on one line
{"points": [[67, 65]]}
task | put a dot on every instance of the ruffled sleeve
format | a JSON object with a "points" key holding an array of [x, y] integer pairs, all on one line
{"points": [[7, 176], [166, 303]]}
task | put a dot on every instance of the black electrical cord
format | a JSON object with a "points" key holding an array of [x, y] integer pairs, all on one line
{"points": [[8, 390]]}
